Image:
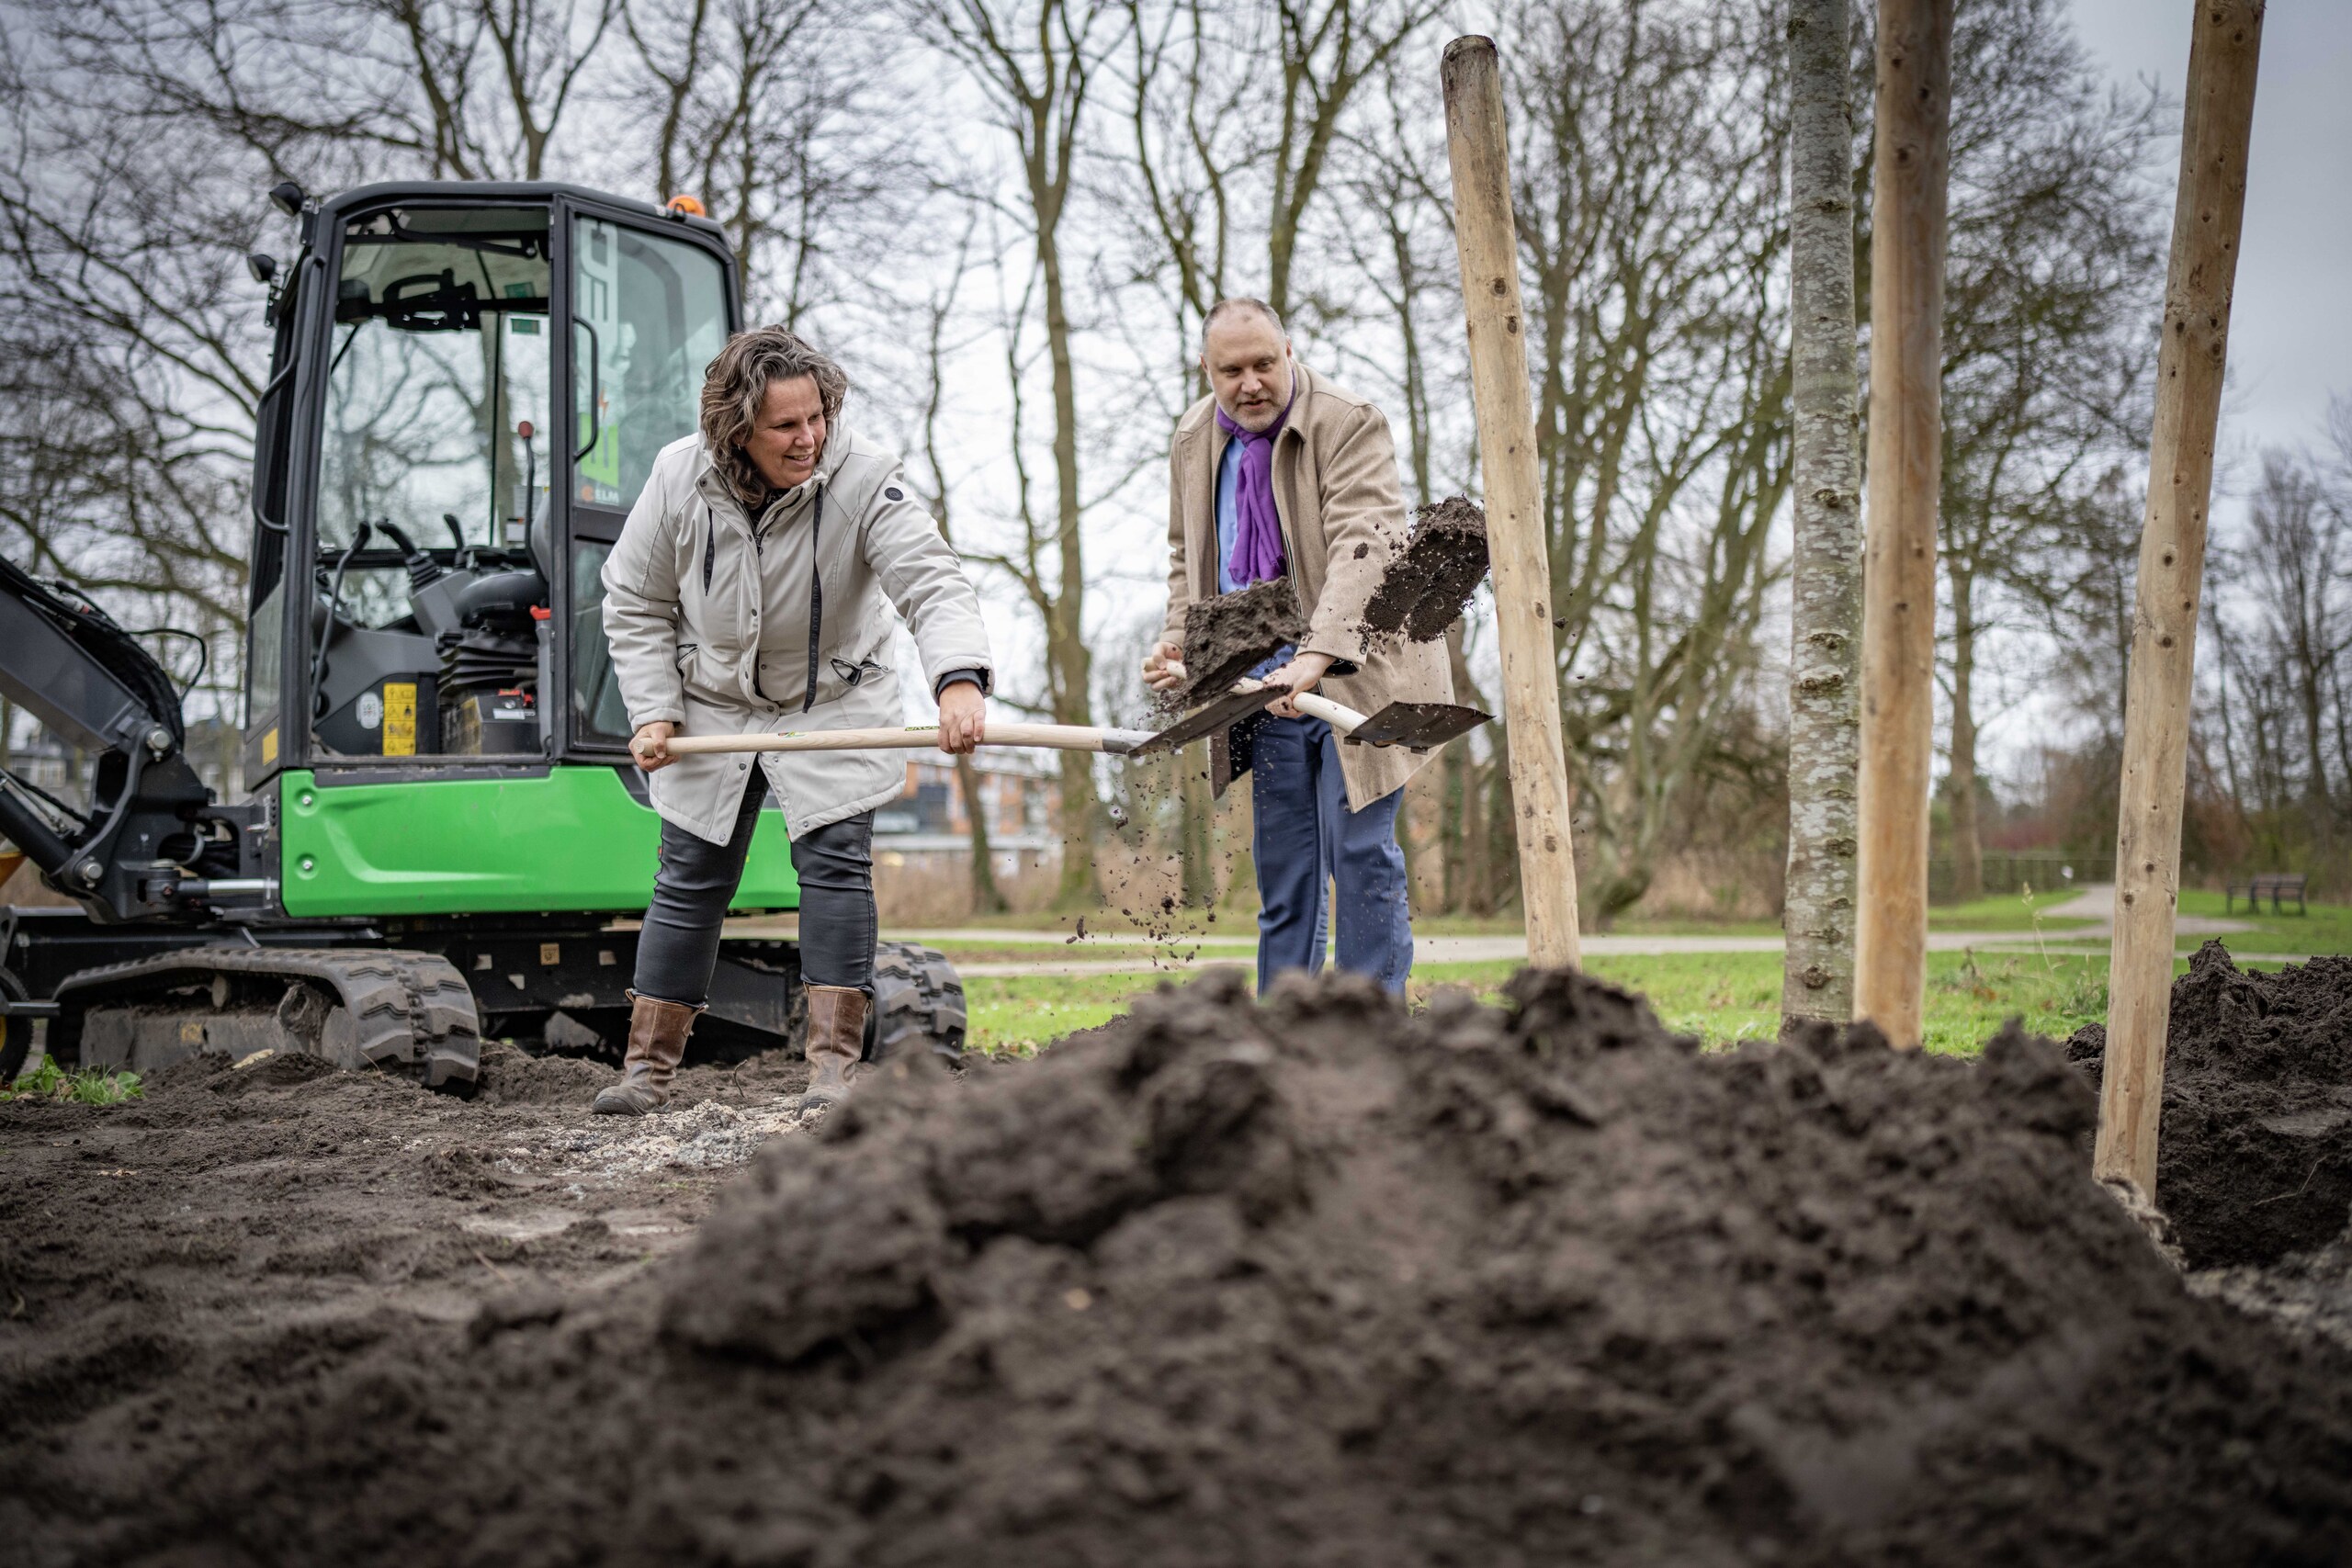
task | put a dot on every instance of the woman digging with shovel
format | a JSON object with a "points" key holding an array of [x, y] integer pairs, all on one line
{"points": [[752, 585]]}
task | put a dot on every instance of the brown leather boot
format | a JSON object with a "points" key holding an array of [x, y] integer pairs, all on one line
{"points": [[657, 1043], [836, 1040]]}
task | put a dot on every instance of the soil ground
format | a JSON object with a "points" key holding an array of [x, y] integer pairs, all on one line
{"points": [[1308, 1282]]}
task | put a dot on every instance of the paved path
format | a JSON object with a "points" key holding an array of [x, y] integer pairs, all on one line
{"points": [[2096, 902], [1187, 954]]}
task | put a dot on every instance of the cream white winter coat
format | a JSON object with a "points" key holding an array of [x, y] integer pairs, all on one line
{"points": [[720, 632]]}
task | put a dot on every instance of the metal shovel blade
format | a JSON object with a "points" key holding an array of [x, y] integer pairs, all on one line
{"points": [[1244, 699], [1419, 726]]}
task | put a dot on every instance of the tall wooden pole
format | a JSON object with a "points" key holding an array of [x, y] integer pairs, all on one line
{"points": [[1907, 184], [2206, 214], [1480, 157]]}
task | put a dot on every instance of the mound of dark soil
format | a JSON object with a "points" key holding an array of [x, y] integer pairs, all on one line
{"points": [[1232, 633], [2255, 1152], [1430, 582], [1316, 1283]]}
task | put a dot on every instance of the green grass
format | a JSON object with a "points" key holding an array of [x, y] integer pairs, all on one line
{"points": [[2327, 928], [1723, 998], [1015, 1015], [1726, 997], [91, 1085]]}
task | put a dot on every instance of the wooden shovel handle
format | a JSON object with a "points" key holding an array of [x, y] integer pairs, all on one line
{"points": [[1051, 736], [1338, 715]]}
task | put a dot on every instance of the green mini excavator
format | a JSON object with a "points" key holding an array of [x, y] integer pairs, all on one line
{"points": [[444, 839]]}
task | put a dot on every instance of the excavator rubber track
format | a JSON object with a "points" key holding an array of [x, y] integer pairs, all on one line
{"points": [[402, 1012]]}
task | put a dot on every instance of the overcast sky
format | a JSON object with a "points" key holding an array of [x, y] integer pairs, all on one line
{"points": [[2290, 334]]}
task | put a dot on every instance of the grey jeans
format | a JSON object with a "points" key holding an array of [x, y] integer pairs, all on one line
{"points": [[697, 880]]}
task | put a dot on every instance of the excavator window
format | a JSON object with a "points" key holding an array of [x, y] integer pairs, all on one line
{"points": [[437, 529], [435, 461], [649, 314]]}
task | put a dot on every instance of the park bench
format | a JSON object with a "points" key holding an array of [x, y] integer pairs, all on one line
{"points": [[2277, 885]]}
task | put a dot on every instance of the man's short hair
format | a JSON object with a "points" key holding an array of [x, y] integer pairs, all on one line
{"points": [[1238, 302], [736, 383]]}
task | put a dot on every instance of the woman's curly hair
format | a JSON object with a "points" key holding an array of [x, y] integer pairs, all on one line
{"points": [[736, 383]]}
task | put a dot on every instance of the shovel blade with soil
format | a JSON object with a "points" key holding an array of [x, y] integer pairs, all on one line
{"points": [[1429, 582]]}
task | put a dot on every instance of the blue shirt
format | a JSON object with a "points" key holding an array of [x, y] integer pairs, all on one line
{"points": [[1228, 523], [1229, 513]]}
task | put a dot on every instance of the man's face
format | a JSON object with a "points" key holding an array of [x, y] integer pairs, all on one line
{"points": [[1249, 366], [790, 433]]}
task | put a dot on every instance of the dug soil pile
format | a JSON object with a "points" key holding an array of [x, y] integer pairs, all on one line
{"points": [[2254, 1152], [1429, 582], [1313, 1283]]}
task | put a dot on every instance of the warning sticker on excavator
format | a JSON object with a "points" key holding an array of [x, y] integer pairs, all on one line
{"points": [[400, 718]]}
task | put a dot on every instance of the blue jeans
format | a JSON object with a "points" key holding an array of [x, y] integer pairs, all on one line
{"points": [[1304, 839]]}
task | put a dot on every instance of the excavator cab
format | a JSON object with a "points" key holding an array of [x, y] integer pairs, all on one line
{"points": [[470, 386]]}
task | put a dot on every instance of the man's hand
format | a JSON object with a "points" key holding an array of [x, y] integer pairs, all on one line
{"points": [[963, 712], [1163, 667], [651, 745], [1299, 675]]}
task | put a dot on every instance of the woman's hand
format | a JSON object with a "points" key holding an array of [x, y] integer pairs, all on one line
{"points": [[651, 745], [963, 714], [1163, 667]]}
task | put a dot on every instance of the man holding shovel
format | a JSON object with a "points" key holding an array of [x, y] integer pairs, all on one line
{"points": [[1283, 472], [754, 586]]}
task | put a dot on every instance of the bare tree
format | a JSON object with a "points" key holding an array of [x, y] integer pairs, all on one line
{"points": [[1651, 227], [2293, 571], [1036, 62], [1826, 586], [775, 119], [987, 898], [2053, 272]]}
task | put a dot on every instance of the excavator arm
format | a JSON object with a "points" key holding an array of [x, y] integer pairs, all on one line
{"points": [[151, 844]]}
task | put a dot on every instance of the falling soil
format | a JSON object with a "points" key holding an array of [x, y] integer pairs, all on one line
{"points": [[1312, 1283], [1429, 582], [2255, 1150], [1232, 633]]}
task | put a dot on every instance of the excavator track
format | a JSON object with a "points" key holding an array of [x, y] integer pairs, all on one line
{"points": [[402, 1012]]}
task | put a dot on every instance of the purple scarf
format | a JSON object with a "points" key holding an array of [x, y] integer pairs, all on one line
{"points": [[1257, 526]]}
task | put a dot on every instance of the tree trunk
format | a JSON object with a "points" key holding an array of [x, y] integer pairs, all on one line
{"points": [[1967, 838], [1908, 194], [1065, 627], [987, 898], [1826, 580], [2207, 215]]}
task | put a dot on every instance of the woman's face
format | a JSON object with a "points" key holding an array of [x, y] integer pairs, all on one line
{"points": [[790, 434]]}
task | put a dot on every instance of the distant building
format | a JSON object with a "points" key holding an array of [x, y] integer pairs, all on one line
{"points": [[1018, 793]]}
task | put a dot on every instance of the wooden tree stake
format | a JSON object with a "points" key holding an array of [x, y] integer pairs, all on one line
{"points": [[1907, 184], [1480, 158], [2207, 215]]}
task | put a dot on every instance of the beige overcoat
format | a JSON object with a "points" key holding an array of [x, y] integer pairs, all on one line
{"points": [[1342, 502]]}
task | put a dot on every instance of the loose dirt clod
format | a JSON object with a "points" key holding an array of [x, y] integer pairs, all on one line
{"points": [[1312, 1282], [2255, 1151], [1232, 633], [1429, 582]]}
